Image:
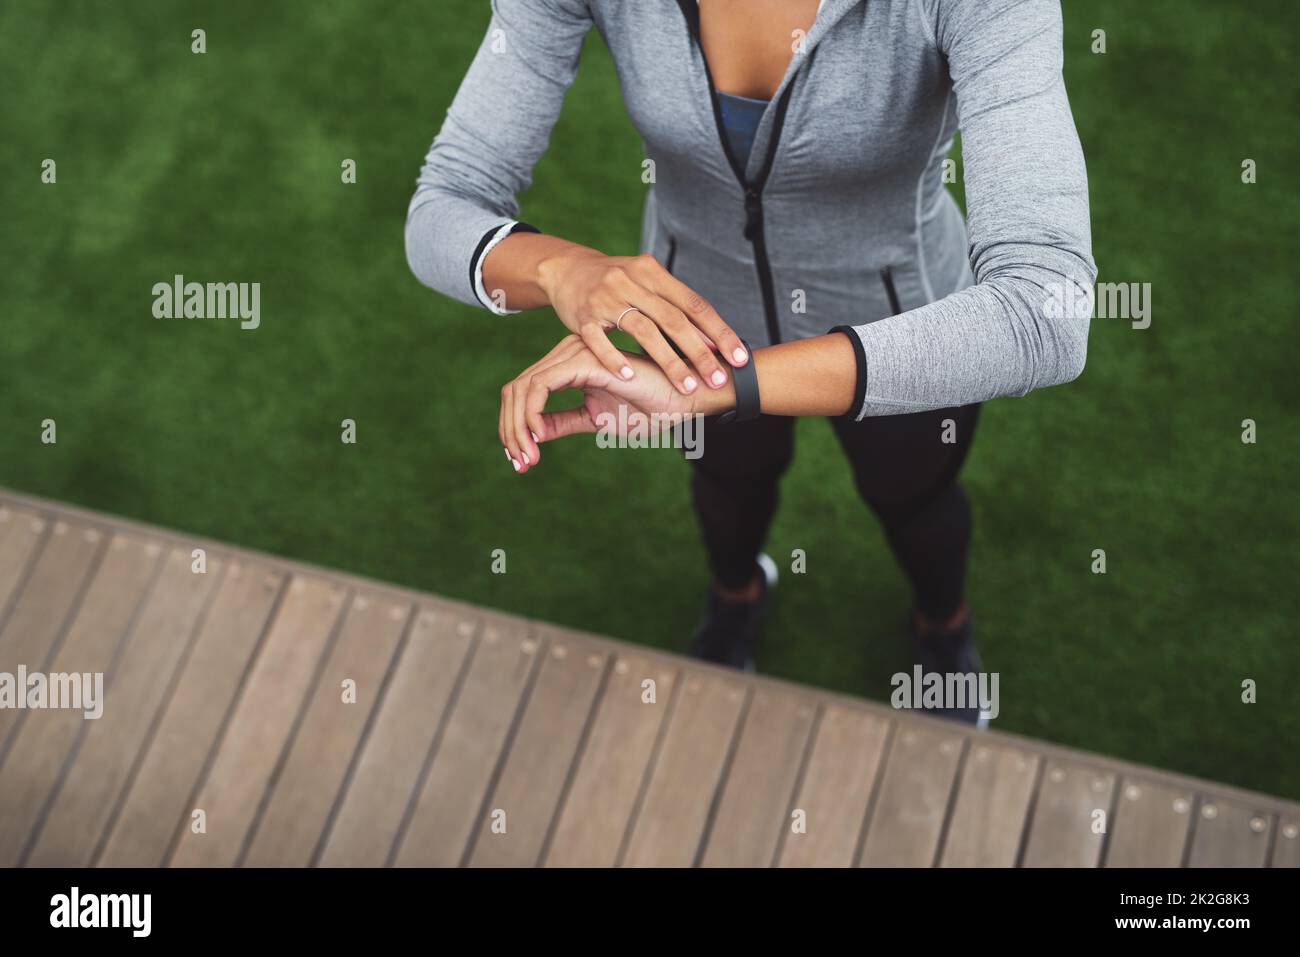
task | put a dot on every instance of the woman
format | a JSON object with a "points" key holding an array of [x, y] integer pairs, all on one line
{"points": [[798, 151]]}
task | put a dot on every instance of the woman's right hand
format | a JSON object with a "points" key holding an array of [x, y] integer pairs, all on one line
{"points": [[590, 290]]}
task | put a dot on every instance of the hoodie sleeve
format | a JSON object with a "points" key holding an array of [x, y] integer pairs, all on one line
{"points": [[497, 128], [1024, 323]]}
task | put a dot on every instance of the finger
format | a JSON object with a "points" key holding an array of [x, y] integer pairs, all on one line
{"points": [[507, 434], [571, 374], [556, 425], [529, 452], [687, 336], [646, 332], [701, 314], [597, 340]]}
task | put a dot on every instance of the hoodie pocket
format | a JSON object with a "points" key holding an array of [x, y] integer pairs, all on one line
{"points": [[887, 277], [670, 258]]}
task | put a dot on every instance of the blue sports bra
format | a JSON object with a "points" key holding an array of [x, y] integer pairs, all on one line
{"points": [[740, 118]]}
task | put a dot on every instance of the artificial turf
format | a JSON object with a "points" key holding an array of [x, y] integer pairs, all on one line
{"points": [[226, 167]]}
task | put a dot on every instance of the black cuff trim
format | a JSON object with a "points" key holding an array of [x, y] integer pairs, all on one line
{"points": [[482, 246], [859, 391]]}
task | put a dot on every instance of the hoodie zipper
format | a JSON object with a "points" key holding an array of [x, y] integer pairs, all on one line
{"points": [[754, 231]]}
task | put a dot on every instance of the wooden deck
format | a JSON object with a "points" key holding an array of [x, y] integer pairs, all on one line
{"points": [[224, 691]]}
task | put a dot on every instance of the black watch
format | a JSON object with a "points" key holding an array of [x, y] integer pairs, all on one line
{"points": [[746, 381]]}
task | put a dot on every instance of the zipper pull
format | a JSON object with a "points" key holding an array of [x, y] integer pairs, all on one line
{"points": [[753, 212]]}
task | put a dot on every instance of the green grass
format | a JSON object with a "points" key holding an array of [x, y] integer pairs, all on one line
{"points": [[226, 167]]}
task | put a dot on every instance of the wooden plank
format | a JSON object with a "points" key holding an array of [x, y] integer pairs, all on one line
{"points": [[1286, 849], [1151, 825], [673, 817], [134, 689], [614, 765], [374, 806], [49, 598], [314, 772], [836, 788], [1229, 834], [755, 808], [43, 742], [906, 823], [21, 533], [1065, 831], [161, 797], [993, 798], [232, 791], [523, 804]]}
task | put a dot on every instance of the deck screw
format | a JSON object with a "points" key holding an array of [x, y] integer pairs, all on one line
{"points": [[1180, 805], [1257, 824], [38, 525], [946, 747], [559, 651], [92, 536], [297, 585], [981, 754], [693, 686], [362, 603], [593, 661], [528, 647], [1057, 776], [60, 528], [621, 667], [152, 549], [464, 629], [1098, 784], [1209, 812], [1132, 792], [397, 613], [1290, 831]]}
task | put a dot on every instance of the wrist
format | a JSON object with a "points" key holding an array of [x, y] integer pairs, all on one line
{"points": [[712, 402], [552, 268]]}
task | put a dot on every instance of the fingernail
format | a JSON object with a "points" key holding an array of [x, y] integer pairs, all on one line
{"points": [[534, 435], [524, 455], [719, 377], [507, 451], [515, 464], [739, 355], [625, 372], [689, 383]]}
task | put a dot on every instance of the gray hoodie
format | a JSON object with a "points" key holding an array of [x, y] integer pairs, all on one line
{"points": [[840, 217]]}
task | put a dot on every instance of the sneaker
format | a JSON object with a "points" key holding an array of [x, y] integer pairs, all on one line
{"points": [[729, 633], [948, 654]]}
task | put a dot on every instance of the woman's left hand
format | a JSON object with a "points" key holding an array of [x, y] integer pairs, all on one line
{"points": [[523, 425]]}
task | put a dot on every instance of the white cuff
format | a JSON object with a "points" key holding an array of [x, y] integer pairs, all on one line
{"points": [[479, 291]]}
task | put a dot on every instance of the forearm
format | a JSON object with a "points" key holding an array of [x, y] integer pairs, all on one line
{"points": [[816, 376], [518, 268]]}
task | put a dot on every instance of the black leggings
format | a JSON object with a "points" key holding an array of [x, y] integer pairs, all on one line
{"points": [[902, 468]]}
